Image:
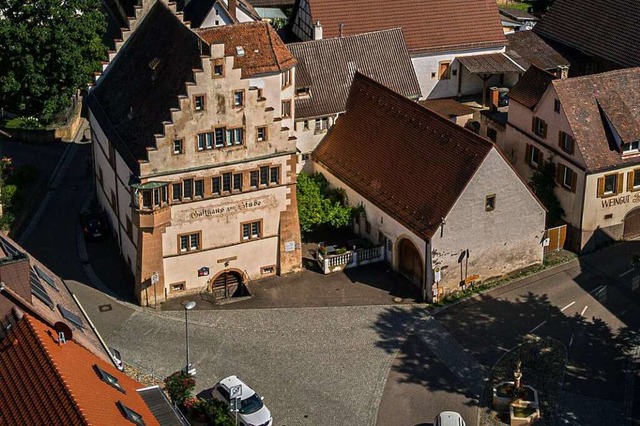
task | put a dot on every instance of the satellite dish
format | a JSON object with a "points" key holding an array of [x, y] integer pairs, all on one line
{"points": [[61, 327]]}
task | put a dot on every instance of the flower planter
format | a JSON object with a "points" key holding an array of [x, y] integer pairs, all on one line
{"points": [[523, 413], [503, 396]]}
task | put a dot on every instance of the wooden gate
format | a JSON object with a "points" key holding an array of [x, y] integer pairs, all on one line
{"points": [[557, 237], [226, 284], [410, 262], [632, 225]]}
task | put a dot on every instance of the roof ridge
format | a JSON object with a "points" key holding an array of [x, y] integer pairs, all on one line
{"points": [[333, 39], [598, 76], [53, 364]]}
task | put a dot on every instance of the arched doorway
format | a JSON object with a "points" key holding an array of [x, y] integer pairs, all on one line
{"points": [[226, 284], [410, 262], [632, 225]]}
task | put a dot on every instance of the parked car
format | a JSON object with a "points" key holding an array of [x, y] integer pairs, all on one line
{"points": [[117, 358], [252, 411], [93, 224], [449, 418]]}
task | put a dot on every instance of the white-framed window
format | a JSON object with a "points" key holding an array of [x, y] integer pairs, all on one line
{"points": [[322, 124], [262, 134], [199, 102], [189, 242], [238, 98], [286, 78], [251, 230], [631, 148], [534, 156], [178, 146], [610, 184]]}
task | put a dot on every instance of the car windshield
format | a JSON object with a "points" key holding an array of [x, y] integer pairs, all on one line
{"points": [[251, 404]]}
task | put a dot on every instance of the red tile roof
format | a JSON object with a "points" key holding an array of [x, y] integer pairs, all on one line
{"points": [[407, 160], [532, 85], [264, 51], [46, 383], [435, 25]]}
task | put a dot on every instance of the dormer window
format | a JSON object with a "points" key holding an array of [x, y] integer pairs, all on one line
{"points": [[631, 148], [302, 91]]}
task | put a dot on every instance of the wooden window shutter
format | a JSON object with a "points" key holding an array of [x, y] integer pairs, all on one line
{"points": [[619, 182], [630, 178], [527, 155], [574, 181], [544, 129], [533, 124], [560, 138], [573, 144], [600, 187], [559, 173], [540, 158]]}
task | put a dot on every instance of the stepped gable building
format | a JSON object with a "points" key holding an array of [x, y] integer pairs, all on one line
{"points": [[439, 36], [589, 127], [595, 35], [47, 378], [443, 201], [325, 71], [195, 160]]}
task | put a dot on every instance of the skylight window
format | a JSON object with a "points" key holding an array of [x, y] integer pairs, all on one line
{"points": [[73, 318], [131, 415], [37, 289], [109, 379], [46, 278]]}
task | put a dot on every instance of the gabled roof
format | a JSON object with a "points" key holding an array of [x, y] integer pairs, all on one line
{"points": [[43, 382], [407, 160], [526, 48], [33, 288], [196, 11], [427, 26], [327, 67], [603, 28], [143, 82], [588, 102], [532, 85], [264, 51]]}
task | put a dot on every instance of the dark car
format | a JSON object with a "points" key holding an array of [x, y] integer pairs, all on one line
{"points": [[93, 224]]}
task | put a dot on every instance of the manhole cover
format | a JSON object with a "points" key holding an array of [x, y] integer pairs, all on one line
{"points": [[105, 308]]}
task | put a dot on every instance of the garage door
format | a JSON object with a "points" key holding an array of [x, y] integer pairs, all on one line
{"points": [[632, 225]]}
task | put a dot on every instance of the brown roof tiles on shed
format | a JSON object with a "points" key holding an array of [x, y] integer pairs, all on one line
{"points": [[491, 63], [428, 26], [532, 85], [327, 67], [264, 51], [526, 48], [585, 99], [604, 28], [407, 160]]}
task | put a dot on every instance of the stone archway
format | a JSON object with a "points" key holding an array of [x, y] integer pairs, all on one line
{"points": [[632, 224], [410, 262], [227, 283]]}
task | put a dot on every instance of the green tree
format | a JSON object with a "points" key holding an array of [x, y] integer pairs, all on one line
{"points": [[320, 205], [543, 183], [540, 6], [50, 48]]}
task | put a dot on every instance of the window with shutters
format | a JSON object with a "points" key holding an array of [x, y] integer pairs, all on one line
{"points": [[566, 142], [633, 180], [533, 156], [539, 127], [566, 177], [610, 184]]}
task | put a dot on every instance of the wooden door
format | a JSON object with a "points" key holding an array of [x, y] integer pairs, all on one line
{"points": [[632, 225], [226, 284], [410, 264]]}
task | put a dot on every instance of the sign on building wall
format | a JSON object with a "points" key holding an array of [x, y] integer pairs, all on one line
{"points": [[225, 209], [203, 272], [289, 246]]}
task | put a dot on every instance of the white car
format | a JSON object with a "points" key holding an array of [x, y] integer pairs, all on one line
{"points": [[252, 411], [449, 418]]}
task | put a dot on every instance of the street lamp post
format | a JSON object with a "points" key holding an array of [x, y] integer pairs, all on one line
{"points": [[187, 307]]}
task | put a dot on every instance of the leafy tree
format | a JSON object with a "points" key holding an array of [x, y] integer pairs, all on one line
{"points": [[543, 183], [49, 49], [320, 205], [540, 6]]}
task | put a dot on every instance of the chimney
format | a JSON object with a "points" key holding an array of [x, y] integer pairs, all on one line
{"points": [[562, 72], [317, 31], [233, 4], [494, 98]]}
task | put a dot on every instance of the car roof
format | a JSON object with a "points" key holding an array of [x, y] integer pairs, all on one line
{"points": [[232, 381], [450, 418]]}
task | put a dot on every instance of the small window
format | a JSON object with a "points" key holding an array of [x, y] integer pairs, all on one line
{"points": [[631, 148], [237, 182], [556, 105], [198, 188], [267, 270], [444, 70], [198, 102], [322, 124], [610, 184], [216, 185], [226, 182], [219, 137], [274, 179], [108, 378], [566, 142], [286, 108], [264, 175], [567, 177], [238, 98], [305, 157], [286, 78], [178, 146], [218, 70], [187, 188], [176, 286], [539, 127], [490, 203], [131, 415], [176, 192], [636, 179], [253, 179], [251, 230], [535, 156], [262, 134], [235, 136], [189, 242], [305, 125]]}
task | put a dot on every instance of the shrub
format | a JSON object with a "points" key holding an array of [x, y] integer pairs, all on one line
{"points": [[180, 386], [23, 123], [6, 221], [8, 195]]}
